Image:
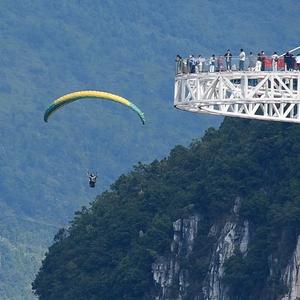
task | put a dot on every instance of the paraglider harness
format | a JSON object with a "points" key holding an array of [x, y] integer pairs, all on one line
{"points": [[92, 179]]}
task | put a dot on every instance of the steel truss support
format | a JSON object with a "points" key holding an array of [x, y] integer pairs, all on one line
{"points": [[273, 96]]}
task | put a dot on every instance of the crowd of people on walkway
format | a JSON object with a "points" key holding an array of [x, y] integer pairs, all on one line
{"points": [[242, 62]]}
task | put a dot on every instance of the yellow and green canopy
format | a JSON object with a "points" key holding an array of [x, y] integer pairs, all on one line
{"points": [[68, 98]]}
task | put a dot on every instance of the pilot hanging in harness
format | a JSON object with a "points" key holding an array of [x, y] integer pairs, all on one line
{"points": [[92, 179]]}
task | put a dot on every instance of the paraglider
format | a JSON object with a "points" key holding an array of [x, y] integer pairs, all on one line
{"points": [[92, 179], [71, 97]]}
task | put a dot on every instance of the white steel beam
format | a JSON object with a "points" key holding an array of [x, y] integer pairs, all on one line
{"points": [[273, 96]]}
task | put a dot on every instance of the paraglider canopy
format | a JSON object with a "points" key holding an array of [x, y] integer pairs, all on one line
{"points": [[68, 98]]}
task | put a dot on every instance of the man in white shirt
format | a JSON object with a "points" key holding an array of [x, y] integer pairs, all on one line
{"points": [[200, 63], [242, 57], [275, 58]]}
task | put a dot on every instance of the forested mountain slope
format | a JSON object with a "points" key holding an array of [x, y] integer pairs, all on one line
{"points": [[55, 47], [110, 249]]}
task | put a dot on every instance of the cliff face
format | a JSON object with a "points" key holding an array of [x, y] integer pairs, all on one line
{"points": [[291, 276], [171, 277]]}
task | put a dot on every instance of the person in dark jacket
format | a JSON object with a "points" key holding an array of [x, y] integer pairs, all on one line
{"points": [[228, 58], [179, 67], [192, 64], [92, 179], [289, 61]]}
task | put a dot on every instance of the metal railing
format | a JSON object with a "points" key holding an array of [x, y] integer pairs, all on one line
{"points": [[221, 64]]}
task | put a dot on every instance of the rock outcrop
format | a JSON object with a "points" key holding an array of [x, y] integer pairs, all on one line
{"points": [[291, 277], [172, 279]]}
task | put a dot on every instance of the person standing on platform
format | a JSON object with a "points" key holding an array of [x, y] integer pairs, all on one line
{"points": [[192, 64], [263, 60], [212, 63], [179, 67], [258, 63], [242, 58], [200, 63], [289, 61], [228, 58], [275, 59], [252, 62]]}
